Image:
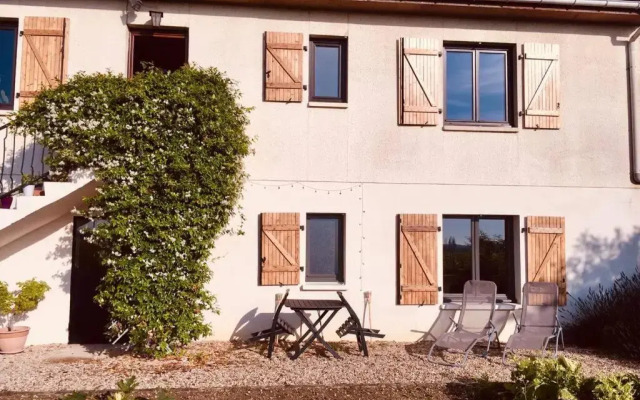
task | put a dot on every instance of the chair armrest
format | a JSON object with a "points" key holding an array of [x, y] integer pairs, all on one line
{"points": [[558, 325], [516, 320]]}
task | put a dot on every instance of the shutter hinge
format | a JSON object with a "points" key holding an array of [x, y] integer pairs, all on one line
{"points": [[302, 268], [21, 33], [439, 288], [304, 87], [305, 48], [17, 95], [301, 227], [521, 56], [439, 54]]}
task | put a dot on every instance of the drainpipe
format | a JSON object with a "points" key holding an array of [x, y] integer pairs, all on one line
{"points": [[633, 54]]}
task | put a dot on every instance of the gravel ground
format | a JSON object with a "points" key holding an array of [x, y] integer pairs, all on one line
{"points": [[223, 364]]}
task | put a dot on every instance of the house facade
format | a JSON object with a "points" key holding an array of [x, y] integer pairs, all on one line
{"points": [[401, 149]]}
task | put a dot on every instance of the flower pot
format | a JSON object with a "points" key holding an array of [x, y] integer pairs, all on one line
{"points": [[28, 190], [5, 202], [13, 341]]}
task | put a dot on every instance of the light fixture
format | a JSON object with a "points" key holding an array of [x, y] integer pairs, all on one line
{"points": [[135, 4], [156, 17]]}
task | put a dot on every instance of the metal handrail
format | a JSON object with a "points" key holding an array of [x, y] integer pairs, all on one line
{"points": [[35, 181], [21, 154]]}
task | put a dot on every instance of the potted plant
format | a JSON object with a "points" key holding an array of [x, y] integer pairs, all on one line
{"points": [[6, 202], [29, 181], [13, 306]]}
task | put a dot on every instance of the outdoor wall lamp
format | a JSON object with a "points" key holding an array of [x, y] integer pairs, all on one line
{"points": [[156, 17]]}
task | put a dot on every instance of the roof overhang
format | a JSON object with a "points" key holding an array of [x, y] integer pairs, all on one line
{"points": [[509, 9]]}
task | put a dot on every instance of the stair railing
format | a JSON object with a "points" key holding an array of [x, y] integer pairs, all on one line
{"points": [[21, 154]]}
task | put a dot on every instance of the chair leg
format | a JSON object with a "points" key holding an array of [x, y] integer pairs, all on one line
{"points": [[272, 340], [363, 339]]}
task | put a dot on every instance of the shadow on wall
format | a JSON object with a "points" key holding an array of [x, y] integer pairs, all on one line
{"points": [[59, 259], [63, 251], [253, 321], [600, 260]]}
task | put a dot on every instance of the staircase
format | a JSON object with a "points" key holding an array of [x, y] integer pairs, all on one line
{"points": [[20, 155]]}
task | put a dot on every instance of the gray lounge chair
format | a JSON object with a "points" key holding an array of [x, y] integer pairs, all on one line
{"points": [[474, 323], [539, 321]]}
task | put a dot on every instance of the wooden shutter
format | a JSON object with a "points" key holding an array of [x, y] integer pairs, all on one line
{"points": [[44, 54], [280, 249], [283, 67], [546, 259], [419, 81], [541, 86], [418, 258]]}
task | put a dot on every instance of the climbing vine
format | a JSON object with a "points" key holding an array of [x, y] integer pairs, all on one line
{"points": [[167, 150]]}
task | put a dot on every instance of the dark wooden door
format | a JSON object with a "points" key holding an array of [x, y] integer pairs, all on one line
{"points": [[87, 321]]}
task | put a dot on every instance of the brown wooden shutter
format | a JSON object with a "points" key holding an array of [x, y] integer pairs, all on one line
{"points": [[45, 50], [541, 86], [546, 259], [283, 67], [280, 249], [418, 258], [419, 81]]}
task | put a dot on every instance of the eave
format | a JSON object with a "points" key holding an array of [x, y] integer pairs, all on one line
{"points": [[457, 9]]}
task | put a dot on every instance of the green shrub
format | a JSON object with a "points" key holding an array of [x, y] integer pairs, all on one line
{"points": [[613, 387], [546, 379], [609, 316], [167, 150], [15, 304], [125, 389]]}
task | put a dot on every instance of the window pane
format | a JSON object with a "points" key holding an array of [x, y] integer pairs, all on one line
{"points": [[7, 46], [166, 53], [327, 71], [492, 94], [494, 265], [459, 82], [324, 246], [457, 252]]}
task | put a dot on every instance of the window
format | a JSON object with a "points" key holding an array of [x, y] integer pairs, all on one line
{"points": [[478, 85], [325, 248], [165, 48], [328, 66], [8, 44], [478, 247]]}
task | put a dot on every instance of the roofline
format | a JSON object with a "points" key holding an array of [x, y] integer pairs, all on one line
{"points": [[587, 11]]}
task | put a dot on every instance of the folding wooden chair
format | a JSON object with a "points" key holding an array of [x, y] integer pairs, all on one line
{"points": [[352, 326], [278, 327]]}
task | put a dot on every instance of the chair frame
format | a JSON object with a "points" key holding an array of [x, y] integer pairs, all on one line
{"points": [[489, 336], [557, 333]]}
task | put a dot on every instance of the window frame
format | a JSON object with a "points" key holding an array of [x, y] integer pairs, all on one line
{"points": [[341, 42], [13, 24], [509, 221], [162, 32], [326, 278], [510, 82]]}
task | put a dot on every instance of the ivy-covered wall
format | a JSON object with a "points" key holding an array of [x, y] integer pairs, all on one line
{"points": [[167, 149]]}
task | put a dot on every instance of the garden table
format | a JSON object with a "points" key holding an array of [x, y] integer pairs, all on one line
{"points": [[324, 307]]}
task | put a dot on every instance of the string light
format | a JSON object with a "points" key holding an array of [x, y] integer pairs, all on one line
{"points": [[339, 191]]}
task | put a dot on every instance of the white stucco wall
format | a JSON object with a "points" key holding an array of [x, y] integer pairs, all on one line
{"points": [[580, 171]]}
